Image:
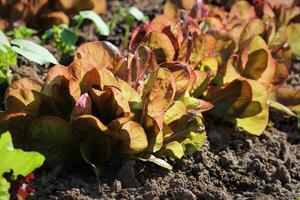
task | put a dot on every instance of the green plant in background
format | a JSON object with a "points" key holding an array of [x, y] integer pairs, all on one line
{"points": [[64, 38], [130, 16], [101, 26], [7, 58], [21, 32], [16, 162]]}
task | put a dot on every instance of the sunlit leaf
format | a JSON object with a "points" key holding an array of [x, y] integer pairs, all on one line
{"points": [[174, 149], [293, 38], [278, 106], [175, 112], [102, 27], [133, 138], [250, 120], [99, 54], [203, 45], [161, 45], [153, 159], [33, 51]]}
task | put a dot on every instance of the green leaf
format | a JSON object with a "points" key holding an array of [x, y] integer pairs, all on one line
{"points": [[174, 149], [68, 36], [20, 162], [137, 14], [4, 188], [3, 41], [33, 51], [231, 99], [22, 32], [6, 142], [175, 112], [102, 27], [293, 38], [153, 159], [7, 58], [251, 121], [278, 106]]}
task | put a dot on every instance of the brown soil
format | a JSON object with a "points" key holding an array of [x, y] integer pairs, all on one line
{"points": [[231, 165]]}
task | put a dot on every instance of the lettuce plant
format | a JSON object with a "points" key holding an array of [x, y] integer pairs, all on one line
{"points": [[243, 73], [45, 12], [84, 109]]}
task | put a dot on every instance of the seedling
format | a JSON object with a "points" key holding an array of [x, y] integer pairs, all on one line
{"points": [[64, 38], [21, 32], [129, 16], [102, 28]]}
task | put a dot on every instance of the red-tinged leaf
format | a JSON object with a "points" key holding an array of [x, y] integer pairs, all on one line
{"points": [[161, 45], [57, 70], [17, 124], [133, 138], [86, 123], [160, 84], [60, 92], [110, 104], [256, 65], [100, 54], [281, 73], [231, 99], [53, 137], [133, 98], [82, 106], [143, 62], [257, 56], [289, 97], [165, 20], [242, 10], [201, 83], [253, 27], [55, 18], [141, 31], [26, 83], [209, 64], [184, 76], [116, 125], [203, 46], [99, 6], [23, 100]]}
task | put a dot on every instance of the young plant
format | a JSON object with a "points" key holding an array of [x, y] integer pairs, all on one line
{"points": [[7, 58], [102, 28], [129, 16], [16, 163], [64, 38], [21, 32]]}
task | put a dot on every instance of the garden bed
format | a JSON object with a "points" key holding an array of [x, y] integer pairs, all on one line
{"points": [[231, 165]]}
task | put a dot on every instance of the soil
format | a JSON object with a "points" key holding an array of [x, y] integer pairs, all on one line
{"points": [[231, 165]]}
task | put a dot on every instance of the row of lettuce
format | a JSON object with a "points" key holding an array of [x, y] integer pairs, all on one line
{"points": [[153, 102]]}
